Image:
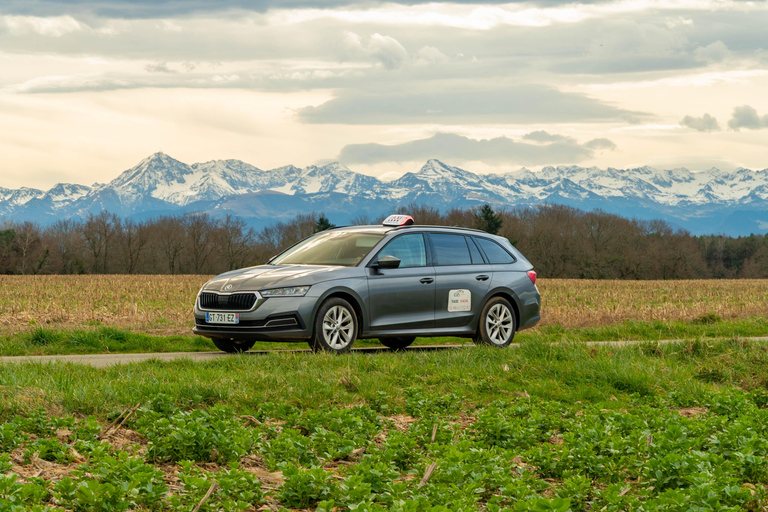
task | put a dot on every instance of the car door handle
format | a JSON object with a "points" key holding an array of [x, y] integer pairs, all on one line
{"points": [[427, 280], [482, 277]]}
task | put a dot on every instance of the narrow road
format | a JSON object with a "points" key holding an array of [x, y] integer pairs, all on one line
{"points": [[103, 360]]}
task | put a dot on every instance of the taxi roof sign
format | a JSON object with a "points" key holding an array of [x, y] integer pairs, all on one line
{"points": [[398, 220]]}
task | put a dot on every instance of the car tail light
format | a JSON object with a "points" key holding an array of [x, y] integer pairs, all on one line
{"points": [[532, 275]]}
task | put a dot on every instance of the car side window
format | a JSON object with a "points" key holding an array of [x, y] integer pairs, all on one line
{"points": [[409, 249], [494, 252], [477, 258], [450, 249]]}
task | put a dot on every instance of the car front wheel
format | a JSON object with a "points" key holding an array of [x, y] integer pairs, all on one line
{"points": [[497, 323], [335, 327], [232, 346]]}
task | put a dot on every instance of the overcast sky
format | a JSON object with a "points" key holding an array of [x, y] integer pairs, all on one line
{"points": [[89, 88]]}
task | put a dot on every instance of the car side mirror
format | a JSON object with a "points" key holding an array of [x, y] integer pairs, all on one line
{"points": [[388, 262]]}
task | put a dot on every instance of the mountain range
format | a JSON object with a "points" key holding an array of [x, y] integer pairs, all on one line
{"points": [[713, 201]]}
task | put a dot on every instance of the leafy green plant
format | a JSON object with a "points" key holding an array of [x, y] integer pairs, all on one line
{"points": [[17, 497], [41, 423], [305, 487], [214, 435], [113, 484], [49, 449], [236, 490], [10, 436]]}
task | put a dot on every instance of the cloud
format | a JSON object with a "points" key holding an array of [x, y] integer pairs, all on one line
{"points": [[55, 26], [747, 117], [705, 123], [385, 50], [159, 67], [712, 53], [430, 55], [542, 136], [601, 143], [514, 104], [159, 8], [501, 150]]}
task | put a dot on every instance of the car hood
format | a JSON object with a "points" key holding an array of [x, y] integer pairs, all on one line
{"points": [[274, 276]]}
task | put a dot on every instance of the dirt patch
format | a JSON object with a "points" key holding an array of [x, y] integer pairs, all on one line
{"points": [[127, 440], [39, 468], [692, 412], [402, 422]]}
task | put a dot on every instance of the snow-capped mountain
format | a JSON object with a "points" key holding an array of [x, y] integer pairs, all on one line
{"points": [[712, 201]]}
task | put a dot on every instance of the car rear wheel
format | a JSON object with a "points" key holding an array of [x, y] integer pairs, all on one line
{"points": [[232, 346], [398, 342], [497, 323], [335, 327]]}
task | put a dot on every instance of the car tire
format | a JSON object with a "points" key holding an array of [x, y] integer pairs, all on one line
{"points": [[497, 323], [335, 327], [397, 342], [232, 346]]}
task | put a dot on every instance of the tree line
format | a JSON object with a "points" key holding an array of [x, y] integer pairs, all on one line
{"points": [[560, 241]]}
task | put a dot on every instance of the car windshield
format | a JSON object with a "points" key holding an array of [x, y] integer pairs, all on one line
{"points": [[343, 248]]}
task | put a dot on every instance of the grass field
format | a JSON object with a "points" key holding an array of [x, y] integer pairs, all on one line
{"points": [[163, 304], [89, 314], [545, 427]]}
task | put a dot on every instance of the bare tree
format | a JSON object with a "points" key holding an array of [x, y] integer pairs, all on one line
{"points": [[170, 237], [98, 233], [29, 248], [236, 241], [199, 230], [132, 237]]}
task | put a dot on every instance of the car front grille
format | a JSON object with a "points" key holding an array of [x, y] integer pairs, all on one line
{"points": [[233, 302]]}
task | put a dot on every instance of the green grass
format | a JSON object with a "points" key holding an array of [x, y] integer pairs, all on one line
{"points": [[564, 372], [45, 341], [564, 427]]}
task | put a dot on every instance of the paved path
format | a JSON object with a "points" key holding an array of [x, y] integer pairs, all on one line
{"points": [[102, 360]]}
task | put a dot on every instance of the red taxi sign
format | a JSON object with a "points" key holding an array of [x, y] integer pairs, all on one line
{"points": [[398, 220]]}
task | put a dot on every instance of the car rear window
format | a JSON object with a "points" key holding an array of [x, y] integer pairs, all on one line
{"points": [[450, 249], [494, 252]]}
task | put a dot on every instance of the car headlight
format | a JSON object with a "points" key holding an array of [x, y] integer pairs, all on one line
{"points": [[291, 291]]}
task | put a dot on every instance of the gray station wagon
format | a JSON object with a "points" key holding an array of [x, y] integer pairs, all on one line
{"points": [[393, 282]]}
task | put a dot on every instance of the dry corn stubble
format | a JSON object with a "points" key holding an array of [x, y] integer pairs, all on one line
{"points": [[162, 304]]}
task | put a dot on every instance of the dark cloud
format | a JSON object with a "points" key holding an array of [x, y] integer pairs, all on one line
{"points": [[747, 117], [515, 104], [705, 123], [163, 8], [501, 150]]}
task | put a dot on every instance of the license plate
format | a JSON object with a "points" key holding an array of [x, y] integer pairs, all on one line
{"points": [[222, 318]]}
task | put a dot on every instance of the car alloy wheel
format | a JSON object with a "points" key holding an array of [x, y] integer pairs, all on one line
{"points": [[338, 328], [497, 323], [335, 326]]}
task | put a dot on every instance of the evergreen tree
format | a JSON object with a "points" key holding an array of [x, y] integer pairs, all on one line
{"points": [[323, 223], [488, 220]]}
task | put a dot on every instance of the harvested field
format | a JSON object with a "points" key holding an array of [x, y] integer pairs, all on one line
{"points": [[161, 304]]}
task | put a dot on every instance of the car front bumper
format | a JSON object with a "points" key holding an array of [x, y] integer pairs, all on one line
{"points": [[274, 319]]}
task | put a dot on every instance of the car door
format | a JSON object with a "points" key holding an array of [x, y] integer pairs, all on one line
{"points": [[462, 278], [402, 298]]}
